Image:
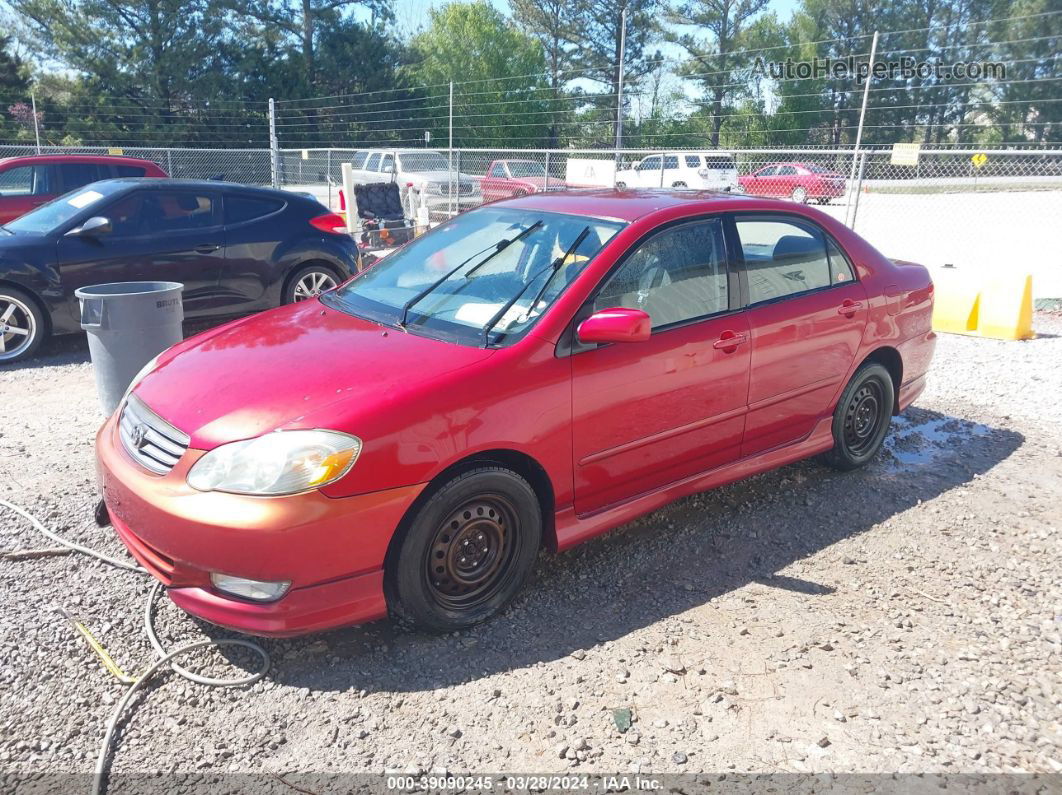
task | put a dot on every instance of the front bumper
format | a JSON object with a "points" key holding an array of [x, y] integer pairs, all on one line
{"points": [[332, 550]]}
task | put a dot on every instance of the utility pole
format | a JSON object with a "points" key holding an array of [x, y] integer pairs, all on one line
{"points": [[274, 148], [848, 214], [619, 84], [36, 126]]}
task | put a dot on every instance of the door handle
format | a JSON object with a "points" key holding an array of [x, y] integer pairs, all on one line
{"points": [[206, 248], [730, 340], [849, 307]]}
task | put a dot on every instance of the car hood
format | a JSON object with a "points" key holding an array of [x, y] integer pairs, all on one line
{"points": [[438, 176], [289, 368]]}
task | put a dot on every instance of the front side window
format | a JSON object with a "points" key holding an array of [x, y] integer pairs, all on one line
{"points": [[483, 277], [498, 171], [676, 275], [783, 258], [388, 164], [671, 161], [143, 213], [525, 168], [49, 217], [770, 171], [374, 161], [358, 160], [423, 161], [650, 163], [786, 171]]}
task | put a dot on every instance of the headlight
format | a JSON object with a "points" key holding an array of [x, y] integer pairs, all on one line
{"points": [[147, 368], [282, 462], [256, 590]]}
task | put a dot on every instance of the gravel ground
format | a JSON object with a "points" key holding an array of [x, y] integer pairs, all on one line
{"points": [[903, 618]]}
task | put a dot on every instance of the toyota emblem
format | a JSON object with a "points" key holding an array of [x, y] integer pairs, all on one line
{"points": [[139, 434]]}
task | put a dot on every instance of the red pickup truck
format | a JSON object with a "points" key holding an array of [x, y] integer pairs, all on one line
{"points": [[506, 179], [27, 182]]}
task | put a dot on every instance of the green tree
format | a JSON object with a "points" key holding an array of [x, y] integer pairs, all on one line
{"points": [[499, 74], [554, 24]]}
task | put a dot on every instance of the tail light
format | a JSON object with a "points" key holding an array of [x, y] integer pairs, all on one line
{"points": [[333, 223], [342, 201]]}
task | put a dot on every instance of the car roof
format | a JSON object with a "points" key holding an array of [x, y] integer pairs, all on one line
{"points": [[625, 205], [161, 183], [60, 158]]}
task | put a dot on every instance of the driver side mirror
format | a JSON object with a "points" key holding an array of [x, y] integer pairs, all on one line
{"points": [[616, 325], [94, 227]]}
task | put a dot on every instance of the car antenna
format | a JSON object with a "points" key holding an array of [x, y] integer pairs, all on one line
{"points": [[554, 266], [498, 247]]}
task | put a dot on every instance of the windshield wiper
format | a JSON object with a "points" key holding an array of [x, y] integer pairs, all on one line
{"points": [[555, 266], [498, 247]]}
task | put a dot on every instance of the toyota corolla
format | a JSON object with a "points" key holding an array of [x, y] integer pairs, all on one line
{"points": [[527, 375]]}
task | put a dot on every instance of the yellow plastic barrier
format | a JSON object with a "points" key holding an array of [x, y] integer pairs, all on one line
{"points": [[1000, 307]]}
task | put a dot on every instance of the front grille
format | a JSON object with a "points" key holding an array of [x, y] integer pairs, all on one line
{"points": [[466, 188], [150, 440]]}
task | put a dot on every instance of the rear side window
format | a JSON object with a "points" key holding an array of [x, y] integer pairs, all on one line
{"points": [[388, 164], [719, 162], [840, 267], [247, 208], [28, 181], [693, 161], [786, 171], [671, 161], [783, 258], [76, 175], [128, 171], [676, 275]]}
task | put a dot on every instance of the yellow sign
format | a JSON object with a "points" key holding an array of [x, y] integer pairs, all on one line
{"points": [[114, 150], [905, 154], [979, 159]]}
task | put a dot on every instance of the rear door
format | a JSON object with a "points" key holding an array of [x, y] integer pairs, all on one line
{"points": [[255, 229], [672, 172], [25, 187], [646, 414], [807, 314], [165, 235]]}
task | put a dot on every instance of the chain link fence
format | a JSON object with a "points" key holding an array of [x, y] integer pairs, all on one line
{"points": [[975, 209]]}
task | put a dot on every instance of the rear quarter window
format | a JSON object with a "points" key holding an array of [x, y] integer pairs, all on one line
{"points": [[129, 171], [239, 209], [719, 162]]}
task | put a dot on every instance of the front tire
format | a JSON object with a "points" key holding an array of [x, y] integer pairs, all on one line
{"points": [[621, 186], [23, 326], [309, 282], [467, 552], [861, 419], [799, 195]]}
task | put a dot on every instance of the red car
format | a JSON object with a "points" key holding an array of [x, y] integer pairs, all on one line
{"points": [[528, 374], [27, 182], [801, 182], [508, 179]]}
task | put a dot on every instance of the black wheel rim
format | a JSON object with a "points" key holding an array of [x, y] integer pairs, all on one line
{"points": [[863, 418], [471, 552]]}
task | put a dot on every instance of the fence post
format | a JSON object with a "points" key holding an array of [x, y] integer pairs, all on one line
{"points": [[661, 169], [169, 162], [457, 186], [36, 126], [450, 186], [859, 188], [547, 169], [274, 148]]}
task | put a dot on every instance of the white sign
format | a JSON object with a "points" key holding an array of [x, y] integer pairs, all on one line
{"points": [[905, 154], [582, 173]]}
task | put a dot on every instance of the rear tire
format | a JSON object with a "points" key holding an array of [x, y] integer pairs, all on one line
{"points": [[861, 419], [467, 552], [309, 282], [23, 325], [621, 186], [678, 184], [799, 195]]}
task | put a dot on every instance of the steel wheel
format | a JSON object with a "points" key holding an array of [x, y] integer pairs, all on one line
{"points": [[312, 284], [863, 417], [471, 552], [18, 327]]}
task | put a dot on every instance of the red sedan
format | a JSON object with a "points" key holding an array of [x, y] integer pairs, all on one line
{"points": [[529, 374], [801, 182], [28, 182], [507, 179]]}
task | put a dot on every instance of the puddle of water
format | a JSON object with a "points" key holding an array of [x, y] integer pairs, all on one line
{"points": [[912, 444]]}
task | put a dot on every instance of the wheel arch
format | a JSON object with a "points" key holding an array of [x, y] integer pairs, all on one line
{"points": [[889, 358], [298, 266], [521, 463]]}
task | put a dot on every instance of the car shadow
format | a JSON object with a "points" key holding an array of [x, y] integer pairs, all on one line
{"points": [[678, 558]]}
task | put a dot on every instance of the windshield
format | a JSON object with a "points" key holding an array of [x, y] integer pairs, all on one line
{"points": [[423, 161], [468, 269], [525, 168], [57, 212]]}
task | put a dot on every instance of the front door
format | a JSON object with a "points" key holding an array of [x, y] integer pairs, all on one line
{"points": [[807, 314], [646, 414], [156, 235]]}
